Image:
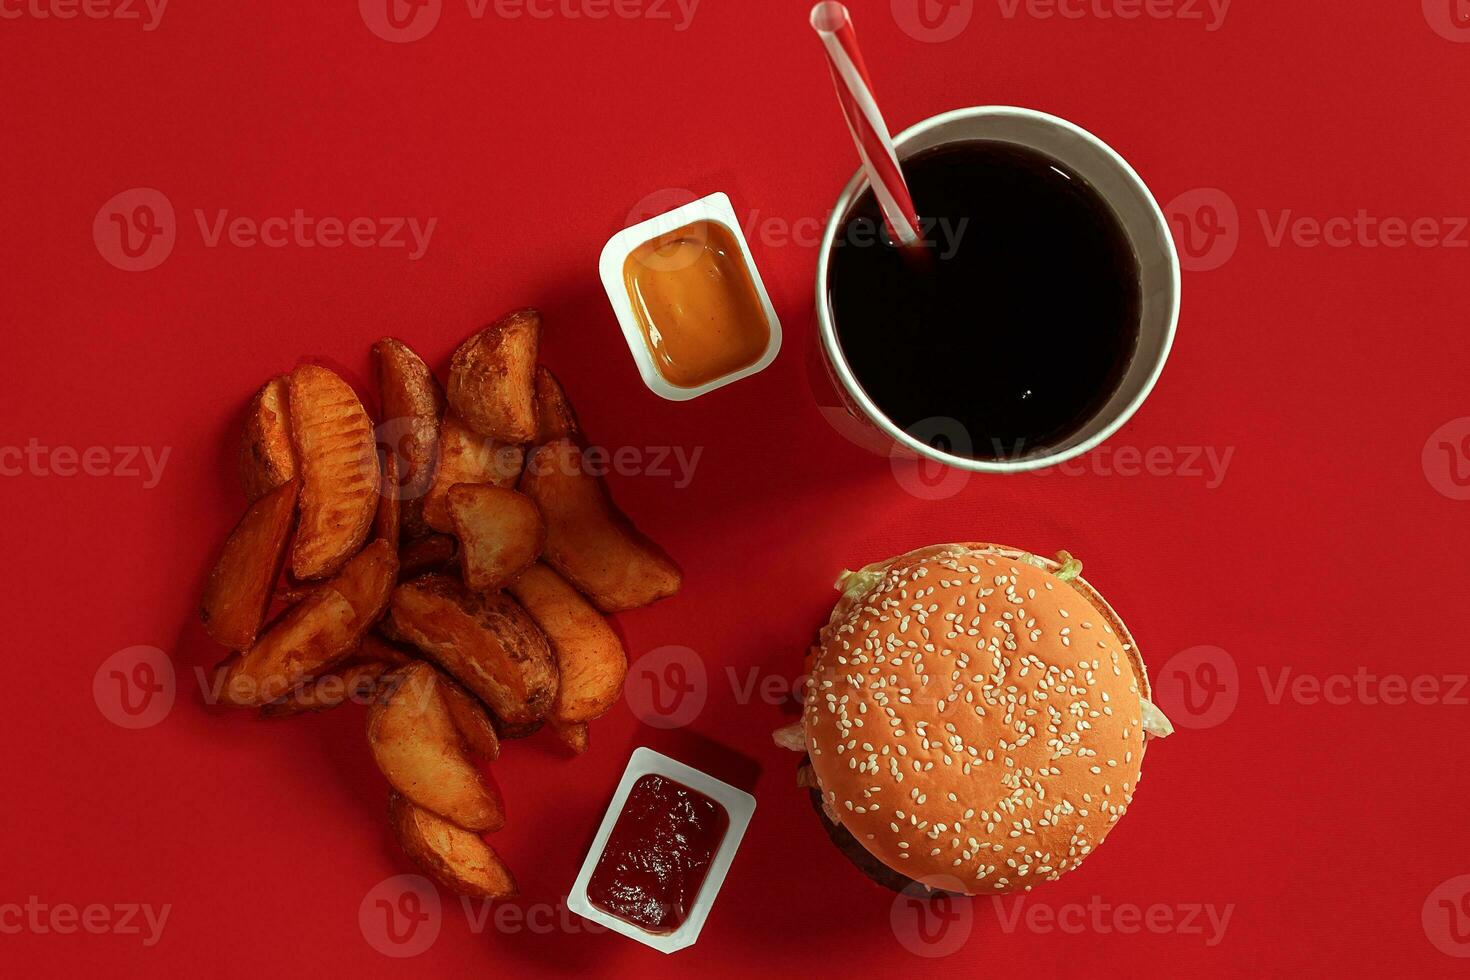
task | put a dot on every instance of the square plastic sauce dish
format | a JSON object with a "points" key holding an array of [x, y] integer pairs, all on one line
{"points": [[690, 300], [661, 853]]}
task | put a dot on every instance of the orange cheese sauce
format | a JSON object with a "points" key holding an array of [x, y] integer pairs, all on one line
{"points": [[696, 303]]}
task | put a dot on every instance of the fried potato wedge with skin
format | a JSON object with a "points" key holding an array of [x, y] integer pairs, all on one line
{"points": [[554, 416], [500, 532], [492, 378], [412, 406], [590, 541], [458, 859], [267, 458], [338, 461], [238, 592], [514, 731], [357, 683], [471, 719], [465, 457], [387, 523], [427, 554], [589, 656], [306, 642], [355, 679], [417, 746], [572, 734], [486, 641], [367, 582], [375, 649]]}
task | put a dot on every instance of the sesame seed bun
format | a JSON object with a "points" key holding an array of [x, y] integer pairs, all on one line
{"points": [[974, 719]]}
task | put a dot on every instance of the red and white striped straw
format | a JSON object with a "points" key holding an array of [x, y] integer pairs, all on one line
{"points": [[833, 25]]}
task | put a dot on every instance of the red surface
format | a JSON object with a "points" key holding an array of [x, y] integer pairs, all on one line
{"points": [[1325, 549]]}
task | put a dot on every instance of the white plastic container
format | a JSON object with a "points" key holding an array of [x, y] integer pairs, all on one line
{"points": [[738, 804], [714, 208]]}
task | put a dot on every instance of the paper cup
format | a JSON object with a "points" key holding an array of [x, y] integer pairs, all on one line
{"points": [[1142, 220]]}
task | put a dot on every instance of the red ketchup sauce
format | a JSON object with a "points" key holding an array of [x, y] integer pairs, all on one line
{"points": [[658, 854]]}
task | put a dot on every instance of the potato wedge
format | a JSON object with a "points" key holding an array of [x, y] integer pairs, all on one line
{"points": [[367, 582], [572, 734], [412, 406], [357, 683], [427, 554], [375, 649], [554, 416], [417, 746], [471, 719], [465, 457], [589, 656], [239, 588], [484, 640], [305, 642], [267, 458], [514, 731], [492, 378], [338, 460], [590, 541], [500, 532], [388, 521], [458, 859]]}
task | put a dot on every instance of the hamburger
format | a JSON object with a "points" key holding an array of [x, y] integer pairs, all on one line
{"points": [[974, 719]]}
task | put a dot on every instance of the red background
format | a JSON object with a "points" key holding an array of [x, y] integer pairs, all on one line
{"points": [[1324, 549]]}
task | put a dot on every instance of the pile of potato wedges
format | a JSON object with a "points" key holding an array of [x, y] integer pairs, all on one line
{"points": [[449, 565]]}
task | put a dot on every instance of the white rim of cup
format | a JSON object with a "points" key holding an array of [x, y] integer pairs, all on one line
{"points": [[854, 389]]}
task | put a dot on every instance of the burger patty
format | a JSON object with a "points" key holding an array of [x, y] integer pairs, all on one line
{"points": [[850, 848]]}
